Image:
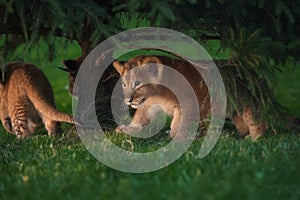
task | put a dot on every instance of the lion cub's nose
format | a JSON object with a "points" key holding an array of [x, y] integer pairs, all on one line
{"points": [[128, 101]]}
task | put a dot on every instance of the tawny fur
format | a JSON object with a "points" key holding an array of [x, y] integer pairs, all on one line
{"points": [[151, 94], [26, 101]]}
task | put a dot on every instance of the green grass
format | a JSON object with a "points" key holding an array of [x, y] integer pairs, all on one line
{"points": [[41, 167], [47, 168]]}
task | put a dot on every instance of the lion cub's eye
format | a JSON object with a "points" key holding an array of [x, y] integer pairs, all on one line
{"points": [[137, 83]]}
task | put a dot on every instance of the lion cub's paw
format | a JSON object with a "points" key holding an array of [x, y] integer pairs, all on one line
{"points": [[119, 129], [127, 129], [124, 129]]}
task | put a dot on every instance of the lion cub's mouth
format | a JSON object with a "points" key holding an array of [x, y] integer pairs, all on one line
{"points": [[136, 103]]}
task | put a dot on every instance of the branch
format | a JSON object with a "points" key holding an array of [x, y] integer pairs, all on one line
{"points": [[211, 37], [84, 41], [17, 30]]}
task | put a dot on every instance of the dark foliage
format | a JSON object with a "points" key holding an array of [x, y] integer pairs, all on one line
{"points": [[260, 36]]}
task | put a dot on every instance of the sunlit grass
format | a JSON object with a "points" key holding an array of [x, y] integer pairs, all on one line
{"points": [[45, 168]]}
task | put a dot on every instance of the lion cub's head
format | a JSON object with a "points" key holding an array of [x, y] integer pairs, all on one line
{"points": [[72, 67], [140, 78]]}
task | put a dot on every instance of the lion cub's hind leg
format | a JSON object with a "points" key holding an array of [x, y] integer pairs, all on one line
{"points": [[53, 127], [20, 126], [6, 122], [19, 121], [240, 125], [246, 124], [256, 128]]}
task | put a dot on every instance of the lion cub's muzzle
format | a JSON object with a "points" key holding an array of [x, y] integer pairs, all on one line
{"points": [[134, 102], [128, 101]]}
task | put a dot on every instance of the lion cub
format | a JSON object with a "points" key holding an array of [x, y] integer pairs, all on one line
{"points": [[26, 101], [141, 78]]}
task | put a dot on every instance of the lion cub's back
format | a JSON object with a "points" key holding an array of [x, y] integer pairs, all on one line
{"points": [[194, 77], [22, 77]]}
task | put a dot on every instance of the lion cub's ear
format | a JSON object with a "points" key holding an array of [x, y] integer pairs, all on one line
{"points": [[119, 67], [72, 66], [152, 59], [155, 67]]}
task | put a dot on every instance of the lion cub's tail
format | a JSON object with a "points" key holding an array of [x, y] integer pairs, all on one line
{"points": [[43, 101]]}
